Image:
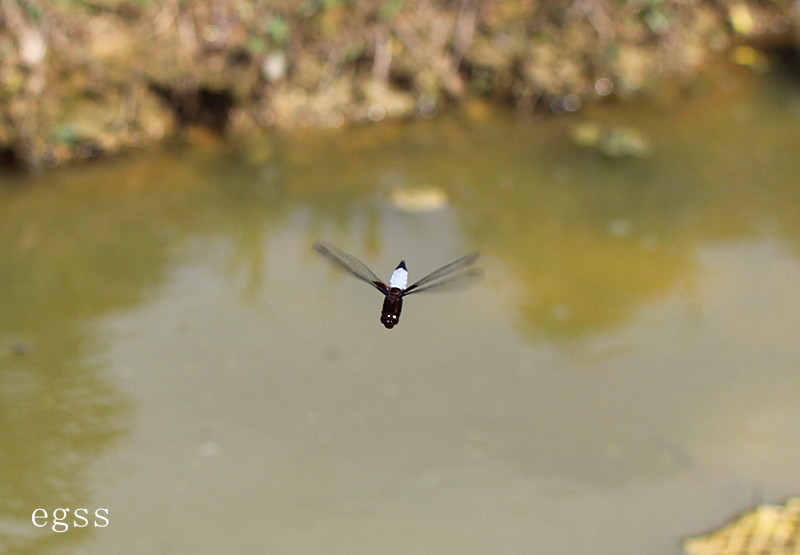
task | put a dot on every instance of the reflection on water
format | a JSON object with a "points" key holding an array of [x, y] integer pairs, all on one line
{"points": [[172, 350]]}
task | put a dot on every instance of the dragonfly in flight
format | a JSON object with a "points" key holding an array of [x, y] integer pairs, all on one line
{"points": [[449, 274]]}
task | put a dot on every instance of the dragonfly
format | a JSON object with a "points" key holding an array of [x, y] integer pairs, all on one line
{"points": [[450, 274]]}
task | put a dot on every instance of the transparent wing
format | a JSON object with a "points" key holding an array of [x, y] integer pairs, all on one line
{"points": [[449, 274], [452, 281], [351, 264]]}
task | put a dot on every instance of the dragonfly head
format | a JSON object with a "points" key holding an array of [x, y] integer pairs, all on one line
{"points": [[389, 320]]}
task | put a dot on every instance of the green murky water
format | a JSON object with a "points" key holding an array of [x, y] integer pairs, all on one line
{"points": [[625, 376]]}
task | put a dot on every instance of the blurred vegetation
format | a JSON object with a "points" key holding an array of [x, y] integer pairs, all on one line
{"points": [[84, 77]]}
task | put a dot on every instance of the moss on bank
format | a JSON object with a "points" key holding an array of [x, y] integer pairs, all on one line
{"points": [[81, 78]]}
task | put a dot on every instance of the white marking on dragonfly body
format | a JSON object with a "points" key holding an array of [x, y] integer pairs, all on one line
{"points": [[399, 279]]}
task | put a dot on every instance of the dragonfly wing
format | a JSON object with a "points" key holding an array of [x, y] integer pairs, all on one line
{"points": [[460, 266], [351, 264], [453, 280]]}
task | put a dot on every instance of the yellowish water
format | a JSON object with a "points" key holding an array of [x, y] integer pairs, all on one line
{"points": [[626, 375]]}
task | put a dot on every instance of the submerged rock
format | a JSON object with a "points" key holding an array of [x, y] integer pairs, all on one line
{"points": [[419, 199], [613, 141], [21, 347], [766, 530]]}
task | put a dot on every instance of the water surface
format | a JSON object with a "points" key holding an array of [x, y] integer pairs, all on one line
{"points": [[625, 376]]}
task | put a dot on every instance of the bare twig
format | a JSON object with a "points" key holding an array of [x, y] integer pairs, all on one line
{"points": [[465, 28], [382, 60]]}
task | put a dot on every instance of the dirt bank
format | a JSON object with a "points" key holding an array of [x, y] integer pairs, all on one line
{"points": [[89, 77]]}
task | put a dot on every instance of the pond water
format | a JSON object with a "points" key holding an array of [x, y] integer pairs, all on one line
{"points": [[627, 373]]}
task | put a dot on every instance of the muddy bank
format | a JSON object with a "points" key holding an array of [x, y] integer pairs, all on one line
{"points": [[80, 79]]}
